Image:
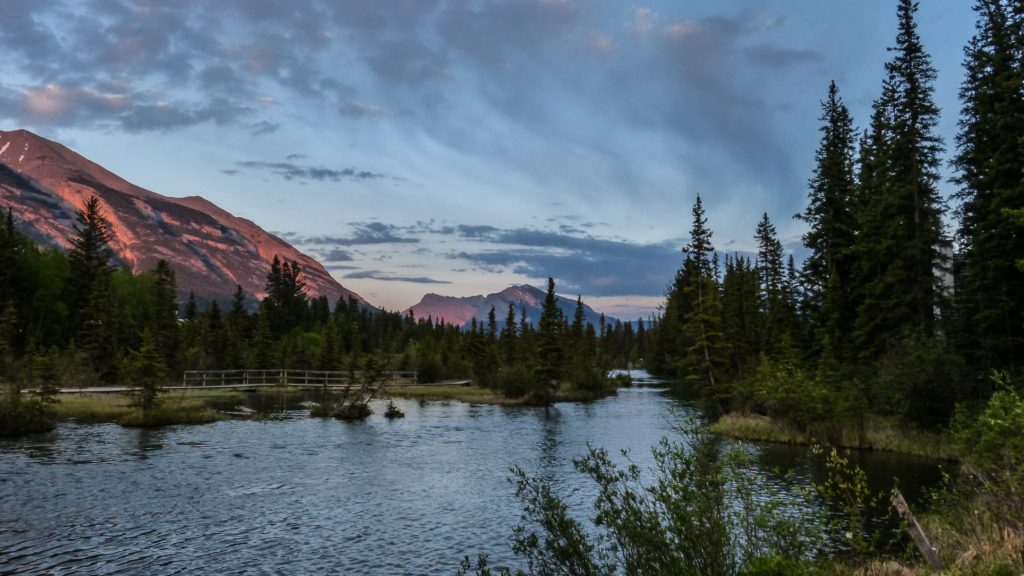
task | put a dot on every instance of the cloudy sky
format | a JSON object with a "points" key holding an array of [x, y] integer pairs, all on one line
{"points": [[460, 146]]}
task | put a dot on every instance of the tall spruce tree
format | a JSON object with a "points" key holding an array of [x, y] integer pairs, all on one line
{"points": [[92, 305], [828, 269], [706, 355], [89, 257], [776, 311], [990, 173], [550, 354], [286, 296], [900, 248], [164, 300], [740, 315]]}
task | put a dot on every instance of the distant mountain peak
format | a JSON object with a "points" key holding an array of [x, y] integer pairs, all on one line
{"points": [[460, 311], [210, 249]]}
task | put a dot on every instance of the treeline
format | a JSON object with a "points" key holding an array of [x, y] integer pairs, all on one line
{"points": [[884, 315], [72, 319]]}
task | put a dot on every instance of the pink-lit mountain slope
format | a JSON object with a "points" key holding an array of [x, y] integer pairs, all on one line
{"points": [[210, 249], [448, 309], [460, 311]]}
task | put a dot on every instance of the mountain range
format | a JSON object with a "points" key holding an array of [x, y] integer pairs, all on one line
{"points": [[210, 250], [460, 311]]}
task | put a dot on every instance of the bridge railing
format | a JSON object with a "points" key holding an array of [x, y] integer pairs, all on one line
{"points": [[305, 378]]}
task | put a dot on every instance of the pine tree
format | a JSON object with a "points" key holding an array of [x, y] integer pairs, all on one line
{"points": [[899, 210], [331, 357], [164, 325], [286, 296], [89, 257], [509, 344], [990, 166], [740, 315], [549, 341], [238, 330], [828, 270], [147, 372], [191, 307], [705, 358], [215, 337], [771, 278]]}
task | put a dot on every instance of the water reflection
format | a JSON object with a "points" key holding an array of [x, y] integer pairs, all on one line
{"points": [[551, 465], [148, 440]]}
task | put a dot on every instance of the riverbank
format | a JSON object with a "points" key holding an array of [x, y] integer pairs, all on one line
{"points": [[879, 434]]}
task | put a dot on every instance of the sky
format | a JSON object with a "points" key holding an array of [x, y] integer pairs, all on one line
{"points": [[462, 146]]}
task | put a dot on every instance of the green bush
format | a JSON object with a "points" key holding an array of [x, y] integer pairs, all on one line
{"points": [[702, 515], [516, 380], [590, 380], [24, 415], [784, 391], [920, 380]]}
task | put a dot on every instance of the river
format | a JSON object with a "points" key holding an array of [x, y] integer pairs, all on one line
{"points": [[298, 495]]}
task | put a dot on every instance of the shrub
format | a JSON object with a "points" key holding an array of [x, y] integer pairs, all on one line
{"points": [[516, 380], [701, 516], [24, 415], [920, 380]]}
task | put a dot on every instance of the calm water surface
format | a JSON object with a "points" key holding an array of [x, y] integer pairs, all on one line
{"points": [[307, 496]]}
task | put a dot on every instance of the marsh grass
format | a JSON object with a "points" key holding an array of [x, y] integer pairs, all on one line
{"points": [[93, 408], [118, 409], [168, 413], [879, 434]]}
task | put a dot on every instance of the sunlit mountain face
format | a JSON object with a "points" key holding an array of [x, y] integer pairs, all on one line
{"points": [[210, 250]]}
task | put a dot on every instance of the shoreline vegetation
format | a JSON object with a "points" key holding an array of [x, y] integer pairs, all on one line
{"points": [[119, 409], [32, 415], [882, 434]]}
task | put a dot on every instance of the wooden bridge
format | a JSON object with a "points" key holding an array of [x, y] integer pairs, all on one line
{"points": [[246, 379]]}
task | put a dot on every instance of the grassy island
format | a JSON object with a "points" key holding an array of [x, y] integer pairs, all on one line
{"points": [[119, 409]]}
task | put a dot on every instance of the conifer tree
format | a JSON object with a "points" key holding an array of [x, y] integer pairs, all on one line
{"points": [[900, 244], [215, 337], [286, 296], [740, 315], [237, 330], [828, 270], [89, 257], [990, 167], [549, 340], [147, 372], [164, 325], [705, 358], [508, 336], [777, 306]]}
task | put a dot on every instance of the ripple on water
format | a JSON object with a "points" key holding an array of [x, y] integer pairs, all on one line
{"points": [[307, 496]]}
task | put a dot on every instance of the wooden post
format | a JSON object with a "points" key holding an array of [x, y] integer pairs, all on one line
{"points": [[931, 555]]}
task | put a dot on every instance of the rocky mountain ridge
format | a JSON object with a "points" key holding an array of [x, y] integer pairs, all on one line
{"points": [[460, 311], [210, 250]]}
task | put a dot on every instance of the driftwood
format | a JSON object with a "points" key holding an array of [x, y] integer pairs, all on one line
{"points": [[931, 555]]}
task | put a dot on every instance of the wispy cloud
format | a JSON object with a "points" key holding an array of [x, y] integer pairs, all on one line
{"points": [[292, 171], [364, 233], [378, 275], [264, 127], [597, 266]]}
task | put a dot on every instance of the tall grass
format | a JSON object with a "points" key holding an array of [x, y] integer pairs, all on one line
{"points": [[878, 434], [117, 408]]}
